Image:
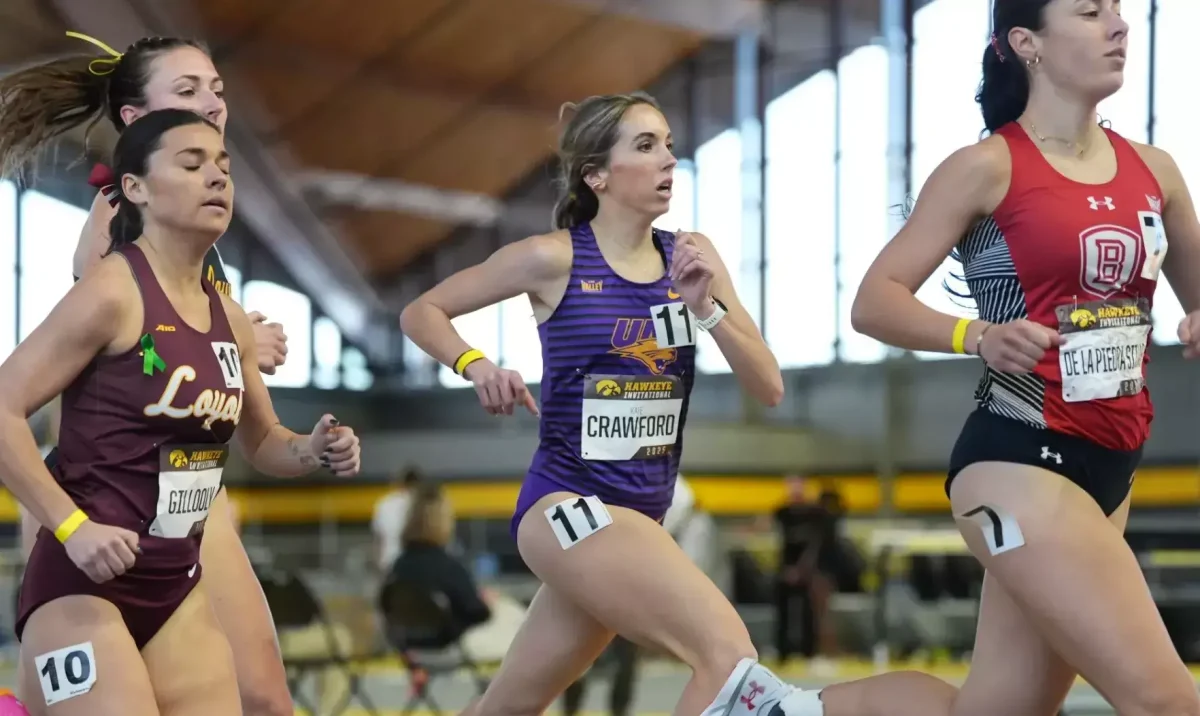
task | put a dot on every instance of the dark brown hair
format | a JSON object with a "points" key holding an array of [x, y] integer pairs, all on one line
{"points": [[1004, 91], [38, 104], [141, 139], [583, 147]]}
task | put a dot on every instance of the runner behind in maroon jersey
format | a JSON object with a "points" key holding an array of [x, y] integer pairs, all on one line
{"points": [[158, 371]]}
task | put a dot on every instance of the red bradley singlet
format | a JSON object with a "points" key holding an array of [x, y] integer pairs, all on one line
{"points": [[1082, 259]]}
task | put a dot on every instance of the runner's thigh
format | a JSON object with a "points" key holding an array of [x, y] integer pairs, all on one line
{"points": [[1077, 584], [79, 644], [633, 578], [237, 598], [190, 663], [556, 643]]}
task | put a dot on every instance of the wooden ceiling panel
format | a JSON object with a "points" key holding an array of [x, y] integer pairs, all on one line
{"points": [[357, 31], [616, 54], [489, 152], [287, 90], [367, 124], [233, 20], [484, 43], [388, 241]]}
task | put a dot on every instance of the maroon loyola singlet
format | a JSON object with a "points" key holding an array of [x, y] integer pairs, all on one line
{"points": [[142, 445], [1083, 259]]}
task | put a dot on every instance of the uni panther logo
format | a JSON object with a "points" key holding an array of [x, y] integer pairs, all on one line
{"points": [[633, 338], [608, 387], [1083, 318], [178, 458]]}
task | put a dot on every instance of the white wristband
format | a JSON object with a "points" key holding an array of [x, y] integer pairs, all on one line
{"points": [[707, 324]]}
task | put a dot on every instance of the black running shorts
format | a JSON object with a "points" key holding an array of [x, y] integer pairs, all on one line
{"points": [[1103, 473]]}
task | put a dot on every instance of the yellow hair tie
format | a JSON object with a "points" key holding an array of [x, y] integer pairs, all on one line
{"points": [[108, 63]]}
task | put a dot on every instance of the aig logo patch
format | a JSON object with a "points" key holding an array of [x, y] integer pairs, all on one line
{"points": [[1110, 254]]}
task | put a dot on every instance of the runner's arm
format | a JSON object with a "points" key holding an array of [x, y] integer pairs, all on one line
{"points": [[271, 448], [1182, 262], [527, 266], [84, 323], [964, 188], [738, 337]]}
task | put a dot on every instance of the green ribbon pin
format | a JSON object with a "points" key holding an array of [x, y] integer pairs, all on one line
{"points": [[150, 357]]}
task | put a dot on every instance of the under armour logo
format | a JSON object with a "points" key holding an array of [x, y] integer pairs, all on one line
{"points": [[755, 691], [1047, 455], [1097, 204]]}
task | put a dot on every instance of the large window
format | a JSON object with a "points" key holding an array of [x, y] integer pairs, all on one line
{"points": [[292, 310], [862, 187], [327, 353], [520, 345], [719, 216], [949, 39], [1175, 128], [8, 267], [801, 217], [481, 330], [50, 231], [1129, 109], [682, 214]]}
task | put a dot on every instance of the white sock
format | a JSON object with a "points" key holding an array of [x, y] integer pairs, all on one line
{"points": [[802, 703], [755, 689]]}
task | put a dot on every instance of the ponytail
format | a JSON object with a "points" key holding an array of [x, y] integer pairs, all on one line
{"points": [[1004, 91], [577, 205], [126, 225], [41, 103]]}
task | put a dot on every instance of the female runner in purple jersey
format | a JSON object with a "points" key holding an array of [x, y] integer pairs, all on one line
{"points": [[41, 102], [611, 295], [110, 623]]}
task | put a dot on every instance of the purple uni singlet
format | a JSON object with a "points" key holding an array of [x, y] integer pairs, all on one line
{"points": [[618, 361]]}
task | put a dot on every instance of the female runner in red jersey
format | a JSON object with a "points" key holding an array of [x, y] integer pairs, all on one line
{"points": [[157, 372], [41, 102], [1062, 229]]}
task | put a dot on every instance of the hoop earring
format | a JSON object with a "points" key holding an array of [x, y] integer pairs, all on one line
{"points": [[1037, 59]]}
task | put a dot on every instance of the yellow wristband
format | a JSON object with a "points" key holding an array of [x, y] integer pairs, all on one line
{"points": [[959, 339], [69, 525], [467, 359]]}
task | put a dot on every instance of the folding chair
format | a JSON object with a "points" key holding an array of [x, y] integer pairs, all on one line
{"points": [[293, 605], [418, 624]]}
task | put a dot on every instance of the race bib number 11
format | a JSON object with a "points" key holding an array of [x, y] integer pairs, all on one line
{"points": [[578, 518], [673, 325]]}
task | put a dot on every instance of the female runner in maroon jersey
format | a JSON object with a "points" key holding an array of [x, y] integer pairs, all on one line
{"points": [[1061, 226], [155, 73], [157, 372]]}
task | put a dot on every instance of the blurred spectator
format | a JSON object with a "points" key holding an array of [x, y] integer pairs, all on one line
{"points": [[693, 530], [808, 570], [391, 514], [424, 561]]}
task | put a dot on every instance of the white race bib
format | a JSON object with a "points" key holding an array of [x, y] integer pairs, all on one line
{"points": [[577, 518], [189, 478], [231, 364], [1104, 346], [1154, 241], [674, 325], [630, 417]]}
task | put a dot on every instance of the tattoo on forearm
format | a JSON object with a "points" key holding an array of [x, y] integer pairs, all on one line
{"points": [[297, 449]]}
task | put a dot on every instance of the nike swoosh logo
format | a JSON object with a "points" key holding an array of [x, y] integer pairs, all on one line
{"points": [[192, 571], [671, 293]]}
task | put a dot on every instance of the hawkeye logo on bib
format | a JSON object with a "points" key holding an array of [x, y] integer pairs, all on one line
{"points": [[634, 338], [629, 417], [189, 478], [1104, 348]]}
